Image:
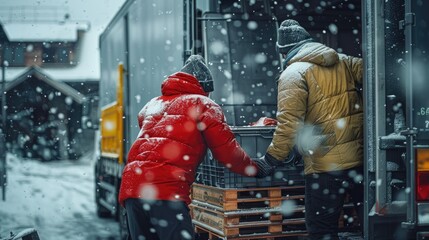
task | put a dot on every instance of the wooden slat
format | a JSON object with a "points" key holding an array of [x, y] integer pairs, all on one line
{"points": [[235, 199]]}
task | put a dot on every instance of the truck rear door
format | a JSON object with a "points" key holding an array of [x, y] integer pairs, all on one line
{"points": [[416, 28], [397, 121]]}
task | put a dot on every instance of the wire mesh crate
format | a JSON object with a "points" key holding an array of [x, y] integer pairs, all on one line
{"points": [[255, 141]]}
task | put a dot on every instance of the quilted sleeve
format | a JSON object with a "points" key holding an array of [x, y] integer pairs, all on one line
{"points": [[291, 110], [222, 143]]}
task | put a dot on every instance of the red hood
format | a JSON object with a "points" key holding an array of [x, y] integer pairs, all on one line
{"points": [[181, 83]]}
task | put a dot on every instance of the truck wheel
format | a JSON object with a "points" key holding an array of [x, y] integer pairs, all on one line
{"points": [[123, 223], [102, 211]]}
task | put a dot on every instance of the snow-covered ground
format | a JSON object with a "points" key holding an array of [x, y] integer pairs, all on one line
{"points": [[55, 198]]}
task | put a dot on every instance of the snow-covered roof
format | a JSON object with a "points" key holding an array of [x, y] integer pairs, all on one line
{"points": [[44, 31], [41, 75]]}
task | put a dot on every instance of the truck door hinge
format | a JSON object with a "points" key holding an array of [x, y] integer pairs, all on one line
{"points": [[408, 132], [392, 141], [410, 19]]}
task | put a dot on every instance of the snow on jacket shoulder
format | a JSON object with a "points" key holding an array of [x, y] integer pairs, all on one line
{"points": [[317, 91], [175, 131]]}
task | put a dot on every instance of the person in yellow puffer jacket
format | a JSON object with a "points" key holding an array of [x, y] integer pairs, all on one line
{"points": [[319, 114]]}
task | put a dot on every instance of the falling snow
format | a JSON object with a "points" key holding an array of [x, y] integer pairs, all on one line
{"points": [[65, 210]]}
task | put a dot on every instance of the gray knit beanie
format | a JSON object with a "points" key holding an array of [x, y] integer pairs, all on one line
{"points": [[196, 66], [289, 34]]}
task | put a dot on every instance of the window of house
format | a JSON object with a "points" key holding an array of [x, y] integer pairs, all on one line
{"points": [[59, 53], [14, 54], [62, 55], [48, 55]]}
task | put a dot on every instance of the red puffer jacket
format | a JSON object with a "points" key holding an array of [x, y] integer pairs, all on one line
{"points": [[176, 129]]}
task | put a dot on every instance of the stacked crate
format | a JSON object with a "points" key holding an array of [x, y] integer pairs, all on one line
{"points": [[226, 205]]}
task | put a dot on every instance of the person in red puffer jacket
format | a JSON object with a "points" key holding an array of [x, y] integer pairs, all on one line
{"points": [[175, 131]]}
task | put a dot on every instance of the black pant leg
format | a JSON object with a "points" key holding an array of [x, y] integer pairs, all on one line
{"points": [[172, 220], [357, 191], [324, 199], [139, 220]]}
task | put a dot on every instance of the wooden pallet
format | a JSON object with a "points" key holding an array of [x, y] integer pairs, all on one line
{"points": [[248, 212], [247, 222], [246, 198], [205, 234]]}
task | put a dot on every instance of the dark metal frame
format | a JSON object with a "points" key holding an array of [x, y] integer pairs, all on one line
{"points": [[3, 173], [373, 97]]}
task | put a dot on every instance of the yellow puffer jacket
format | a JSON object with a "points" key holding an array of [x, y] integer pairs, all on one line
{"points": [[320, 110]]}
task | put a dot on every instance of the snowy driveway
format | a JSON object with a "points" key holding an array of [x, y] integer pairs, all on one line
{"points": [[56, 198]]}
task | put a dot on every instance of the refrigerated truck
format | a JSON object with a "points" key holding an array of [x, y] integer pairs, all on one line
{"points": [[148, 39]]}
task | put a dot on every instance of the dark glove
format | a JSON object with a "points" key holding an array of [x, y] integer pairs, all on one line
{"points": [[294, 158], [266, 165]]}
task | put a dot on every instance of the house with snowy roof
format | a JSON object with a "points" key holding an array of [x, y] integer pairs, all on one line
{"points": [[44, 117]]}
